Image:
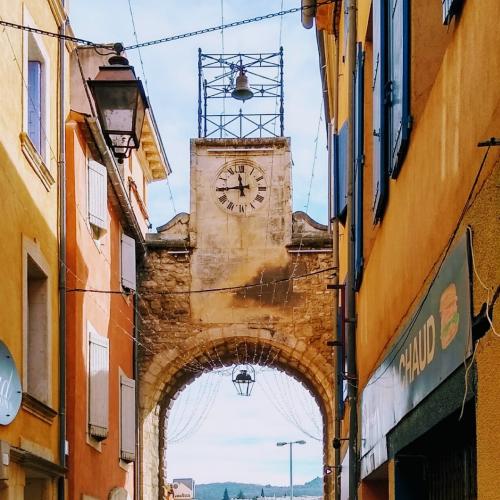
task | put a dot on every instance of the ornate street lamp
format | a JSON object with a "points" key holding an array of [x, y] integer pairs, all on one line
{"points": [[243, 379], [121, 104]]}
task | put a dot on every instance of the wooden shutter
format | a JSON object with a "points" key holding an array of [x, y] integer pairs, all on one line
{"points": [[379, 126], [128, 262], [35, 103], [98, 360], [97, 194], [127, 419], [342, 171], [359, 165], [397, 92]]}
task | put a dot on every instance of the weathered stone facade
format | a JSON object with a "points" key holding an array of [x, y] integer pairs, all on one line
{"points": [[217, 290]]}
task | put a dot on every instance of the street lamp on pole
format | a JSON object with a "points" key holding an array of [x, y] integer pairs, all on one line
{"points": [[290, 443]]}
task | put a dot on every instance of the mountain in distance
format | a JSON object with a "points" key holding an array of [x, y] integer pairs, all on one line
{"points": [[215, 491]]}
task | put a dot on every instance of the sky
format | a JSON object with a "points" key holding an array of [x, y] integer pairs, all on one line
{"points": [[237, 439], [172, 77]]}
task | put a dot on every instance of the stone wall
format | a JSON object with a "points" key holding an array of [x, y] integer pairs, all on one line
{"points": [[286, 325]]}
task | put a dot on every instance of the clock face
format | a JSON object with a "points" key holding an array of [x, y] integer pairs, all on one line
{"points": [[240, 188]]}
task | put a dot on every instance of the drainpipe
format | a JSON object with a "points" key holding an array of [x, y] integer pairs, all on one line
{"points": [[62, 265], [350, 293], [137, 464], [335, 249]]}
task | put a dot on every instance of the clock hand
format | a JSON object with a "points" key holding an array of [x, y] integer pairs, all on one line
{"points": [[228, 188], [242, 187]]}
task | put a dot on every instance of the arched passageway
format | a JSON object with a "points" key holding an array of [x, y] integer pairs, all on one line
{"points": [[180, 369]]}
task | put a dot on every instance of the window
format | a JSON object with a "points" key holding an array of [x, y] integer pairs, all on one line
{"points": [[35, 103], [37, 98], [97, 197], [37, 331], [35, 135], [98, 384], [128, 262], [359, 165], [391, 96], [127, 419]]}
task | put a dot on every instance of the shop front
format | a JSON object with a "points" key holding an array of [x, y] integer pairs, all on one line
{"points": [[417, 410]]}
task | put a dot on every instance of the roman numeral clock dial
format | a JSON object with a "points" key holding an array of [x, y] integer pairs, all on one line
{"points": [[240, 188]]}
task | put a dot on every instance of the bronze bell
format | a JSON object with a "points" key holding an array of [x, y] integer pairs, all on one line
{"points": [[242, 90]]}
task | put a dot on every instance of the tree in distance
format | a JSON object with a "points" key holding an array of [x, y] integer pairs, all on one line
{"points": [[262, 493], [226, 495], [240, 495]]}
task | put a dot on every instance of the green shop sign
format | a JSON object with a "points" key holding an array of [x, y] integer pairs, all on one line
{"points": [[426, 351]]}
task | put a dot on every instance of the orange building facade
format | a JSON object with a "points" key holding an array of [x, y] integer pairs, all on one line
{"points": [[106, 224], [413, 105]]}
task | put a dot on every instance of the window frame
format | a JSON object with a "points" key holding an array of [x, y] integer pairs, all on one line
{"points": [[34, 49], [32, 251]]}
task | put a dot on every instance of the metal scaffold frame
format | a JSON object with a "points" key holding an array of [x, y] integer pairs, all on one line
{"points": [[216, 77]]}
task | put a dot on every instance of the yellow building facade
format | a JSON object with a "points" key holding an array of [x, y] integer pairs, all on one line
{"points": [[413, 105], [30, 125]]}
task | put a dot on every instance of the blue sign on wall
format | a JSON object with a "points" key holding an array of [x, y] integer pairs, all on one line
{"points": [[10, 387]]}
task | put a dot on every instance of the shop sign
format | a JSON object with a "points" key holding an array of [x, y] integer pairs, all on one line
{"points": [[183, 489], [427, 350], [10, 387]]}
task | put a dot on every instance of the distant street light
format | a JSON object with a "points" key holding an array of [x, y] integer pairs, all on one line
{"points": [[291, 443]]}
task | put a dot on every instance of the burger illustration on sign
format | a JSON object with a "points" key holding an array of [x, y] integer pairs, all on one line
{"points": [[448, 310]]}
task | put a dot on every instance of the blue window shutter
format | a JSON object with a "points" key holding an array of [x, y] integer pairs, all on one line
{"points": [[359, 165], [342, 171], [35, 103], [335, 168], [397, 89], [379, 128], [450, 8]]}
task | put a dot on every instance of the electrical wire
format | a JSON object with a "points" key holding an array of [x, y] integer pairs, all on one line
{"points": [[226, 26], [165, 39], [211, 290], [51, 34]]}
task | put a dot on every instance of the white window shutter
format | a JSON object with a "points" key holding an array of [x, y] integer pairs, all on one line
{"points": [[98, 194], [98, 384], [128, 262], [127, 419]]}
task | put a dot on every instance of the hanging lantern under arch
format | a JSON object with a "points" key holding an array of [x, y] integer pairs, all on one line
{"points": [[243, 379]]}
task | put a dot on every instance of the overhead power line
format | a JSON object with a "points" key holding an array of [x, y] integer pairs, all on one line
{"points": [[48, 33], [225, 26], [169, 38], [208, 290]]}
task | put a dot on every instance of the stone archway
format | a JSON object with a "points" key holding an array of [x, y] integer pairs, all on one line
{"points": [[273, 310], [314, 372]]}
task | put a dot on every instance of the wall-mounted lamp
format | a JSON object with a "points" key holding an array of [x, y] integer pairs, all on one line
{"points": [[121, 104]]}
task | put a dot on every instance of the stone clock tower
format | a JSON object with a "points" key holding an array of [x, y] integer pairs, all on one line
{"points": [[241, 214]]}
